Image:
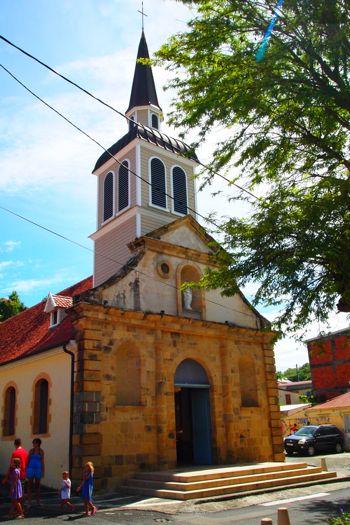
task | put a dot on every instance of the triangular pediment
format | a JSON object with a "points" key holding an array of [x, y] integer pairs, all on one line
{"points": [[185, 232]]}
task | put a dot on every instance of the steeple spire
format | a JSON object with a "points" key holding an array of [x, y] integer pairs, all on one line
{"points": [[143, 91]]}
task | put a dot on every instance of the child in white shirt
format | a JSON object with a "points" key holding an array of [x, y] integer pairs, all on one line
{"points": [[65, 491]]}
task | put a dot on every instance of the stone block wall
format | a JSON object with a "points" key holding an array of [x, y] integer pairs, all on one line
{"points": [[123, 430]]}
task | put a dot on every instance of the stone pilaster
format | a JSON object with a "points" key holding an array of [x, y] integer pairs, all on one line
{"points": [[87, 440], [227, 400], [272, 395], [166, 437]]}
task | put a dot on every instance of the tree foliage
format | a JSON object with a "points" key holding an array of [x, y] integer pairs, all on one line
{"points": [[288, 121], [11, 306], [298, 373]]}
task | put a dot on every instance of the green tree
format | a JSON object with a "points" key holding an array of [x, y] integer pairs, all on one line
{"points": [[298, 373], [11, 306], [288, 118]]}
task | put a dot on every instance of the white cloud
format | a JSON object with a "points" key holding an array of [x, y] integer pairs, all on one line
{"points": [[10, 264], [9, 246], [27, 285]]}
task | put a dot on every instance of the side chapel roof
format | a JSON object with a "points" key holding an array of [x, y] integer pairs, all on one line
{"points": [[29, 332]]}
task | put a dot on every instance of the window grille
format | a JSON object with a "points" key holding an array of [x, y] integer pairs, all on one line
{"points": [[158, 188], [123, 186], [108, 197], [179, 191]]}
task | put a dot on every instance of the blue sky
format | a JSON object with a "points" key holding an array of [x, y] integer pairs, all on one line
{"points": [[45, 165]]}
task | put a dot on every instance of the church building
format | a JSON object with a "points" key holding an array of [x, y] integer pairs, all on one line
{"points": [[132, 370]]}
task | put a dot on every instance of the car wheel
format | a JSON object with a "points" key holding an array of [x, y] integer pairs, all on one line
{"points": [[311, 451], [338, 448]]}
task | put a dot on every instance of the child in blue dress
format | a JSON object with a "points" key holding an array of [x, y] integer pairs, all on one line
{"points": [[86, 487]]}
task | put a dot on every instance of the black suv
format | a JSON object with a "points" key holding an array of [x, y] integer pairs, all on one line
{"points": [[314, 438]]}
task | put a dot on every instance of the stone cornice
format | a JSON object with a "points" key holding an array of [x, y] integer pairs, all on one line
{"points": [[85, 312], [168, 248]]}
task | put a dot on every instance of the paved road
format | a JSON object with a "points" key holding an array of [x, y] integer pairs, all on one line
{"points": [[310, 509], [307, 505]]}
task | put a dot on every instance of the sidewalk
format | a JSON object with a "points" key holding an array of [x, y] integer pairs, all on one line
{"points": [[120, 500]]}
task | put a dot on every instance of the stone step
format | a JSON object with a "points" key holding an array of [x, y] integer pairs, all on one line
{"points": [[188, 475], [220, 482], [221, 490]]}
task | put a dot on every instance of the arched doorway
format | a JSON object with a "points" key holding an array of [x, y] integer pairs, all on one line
{"points": [[192, 412]]}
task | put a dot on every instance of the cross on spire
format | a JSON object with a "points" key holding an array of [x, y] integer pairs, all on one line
{"points": [[143, 15]]}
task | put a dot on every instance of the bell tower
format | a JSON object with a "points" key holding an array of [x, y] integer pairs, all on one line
{"points": [[145, 180]]}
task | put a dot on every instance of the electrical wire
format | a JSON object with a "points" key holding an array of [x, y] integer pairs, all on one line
{"points": [[207, 219], [116, 110], [104, 256], [120, 163]]}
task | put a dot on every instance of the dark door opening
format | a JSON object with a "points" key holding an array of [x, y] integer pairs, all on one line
{"points": [[193, 428]]}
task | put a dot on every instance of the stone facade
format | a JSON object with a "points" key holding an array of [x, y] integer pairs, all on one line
{"points": [[125, 422]]}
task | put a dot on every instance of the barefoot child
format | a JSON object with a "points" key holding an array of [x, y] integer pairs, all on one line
{"points": [[16, 489], [65, 491], [87, 486]]}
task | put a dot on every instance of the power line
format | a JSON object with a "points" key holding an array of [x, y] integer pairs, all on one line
{"points": [[207, 219], [99, 254], [120, 163], [116, 110]]}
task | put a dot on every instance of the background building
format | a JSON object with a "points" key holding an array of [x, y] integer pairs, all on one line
{"points": [[329, 357]]}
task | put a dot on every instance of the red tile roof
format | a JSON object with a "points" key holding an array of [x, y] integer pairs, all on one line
{"points": [[62, 301], [337, 402], [28, 332]]}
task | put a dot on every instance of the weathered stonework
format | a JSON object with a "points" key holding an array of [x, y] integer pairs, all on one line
{"points": [[123, 438]]}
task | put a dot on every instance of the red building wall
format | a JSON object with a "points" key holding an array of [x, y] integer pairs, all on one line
{"points": [[330, 364]]}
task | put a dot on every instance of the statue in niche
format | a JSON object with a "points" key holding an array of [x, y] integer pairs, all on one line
{"points": [[187, 298], [119, 300]]}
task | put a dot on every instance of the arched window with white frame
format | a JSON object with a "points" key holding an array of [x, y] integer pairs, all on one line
{"points": [[123, 186], [179, 185], [108, 196], [158, 183]]}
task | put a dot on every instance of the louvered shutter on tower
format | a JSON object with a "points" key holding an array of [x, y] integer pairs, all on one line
{"points": [[108, 197], [158, 183], [123, 186], [179, 190]]}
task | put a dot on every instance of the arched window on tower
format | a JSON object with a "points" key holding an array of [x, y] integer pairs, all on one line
{"points": [[158, 185], [179, 183], [155, 121], [123, 186], [9, 412], [132, 122], [41, 407], [108, 196]]}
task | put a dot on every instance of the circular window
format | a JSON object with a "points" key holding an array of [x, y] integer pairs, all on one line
{"points": [[164, 269]]}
